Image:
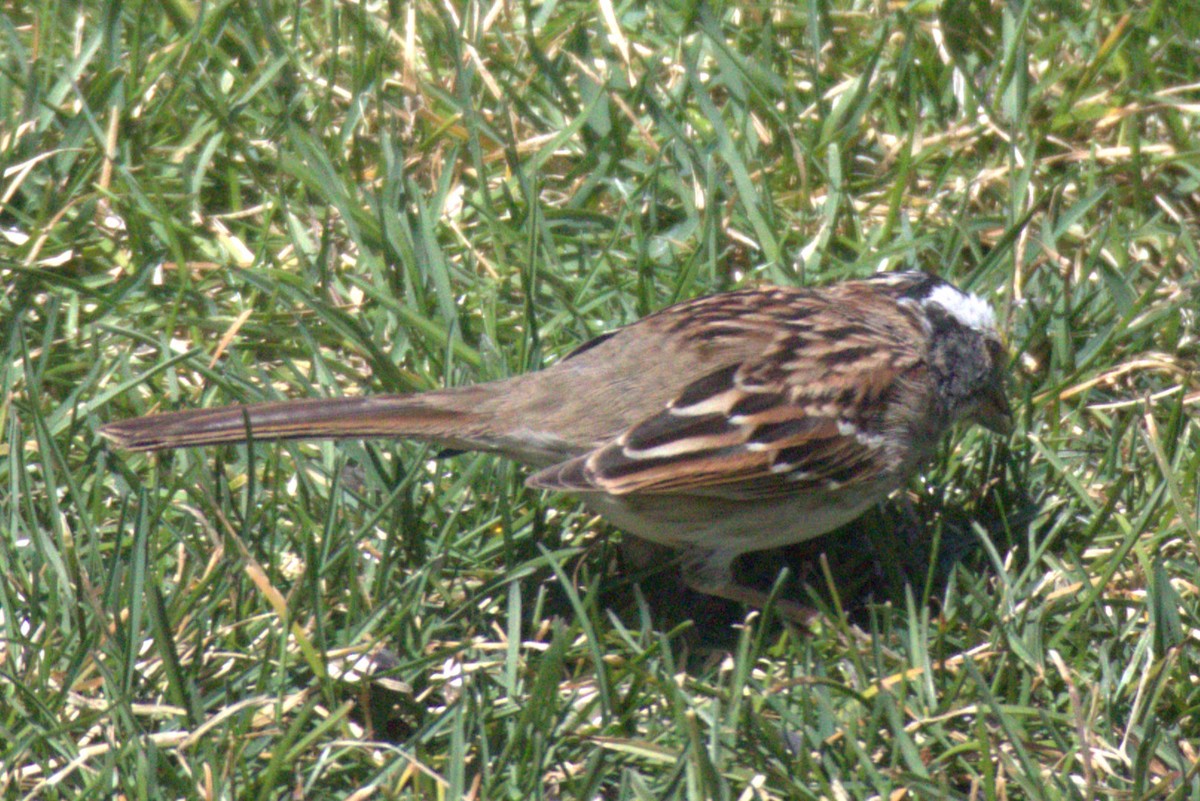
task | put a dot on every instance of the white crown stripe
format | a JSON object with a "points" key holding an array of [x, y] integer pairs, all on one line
{"points": [[970, 310]]}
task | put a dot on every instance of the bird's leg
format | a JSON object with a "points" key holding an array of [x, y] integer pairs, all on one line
{"points": [[711, 573]]}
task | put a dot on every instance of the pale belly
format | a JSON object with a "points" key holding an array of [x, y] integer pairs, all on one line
{"points": [[711, 524]]}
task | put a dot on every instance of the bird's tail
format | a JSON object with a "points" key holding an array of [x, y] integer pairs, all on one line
{"points": [[447, 416]]}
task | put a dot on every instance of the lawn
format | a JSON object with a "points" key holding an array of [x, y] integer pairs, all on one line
{"points": [[207, 203]]}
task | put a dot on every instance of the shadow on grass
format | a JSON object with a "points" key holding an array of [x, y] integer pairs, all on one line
{"points": [[896, 549]]}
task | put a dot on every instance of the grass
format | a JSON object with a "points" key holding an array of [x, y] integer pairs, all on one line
{"points": [[208, 203]]}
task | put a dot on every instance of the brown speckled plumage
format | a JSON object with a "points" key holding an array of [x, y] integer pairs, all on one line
{"points": [[722, 425]]}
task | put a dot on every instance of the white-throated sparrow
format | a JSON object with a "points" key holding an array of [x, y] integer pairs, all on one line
{"points": [[732, 423]]}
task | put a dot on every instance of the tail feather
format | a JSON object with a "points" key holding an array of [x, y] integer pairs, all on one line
{"points": [[428, 416]]}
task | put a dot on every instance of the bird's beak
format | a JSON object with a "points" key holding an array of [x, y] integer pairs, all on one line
{"points": [[993, 411]]}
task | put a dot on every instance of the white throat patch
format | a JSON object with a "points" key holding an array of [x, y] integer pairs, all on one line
{"points": [[970, 310]]}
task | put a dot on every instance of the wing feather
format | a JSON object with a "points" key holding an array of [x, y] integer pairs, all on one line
{"points": [[802, 415]]}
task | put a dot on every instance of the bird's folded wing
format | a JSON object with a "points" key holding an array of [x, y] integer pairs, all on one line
{"points": [[753, 429]]}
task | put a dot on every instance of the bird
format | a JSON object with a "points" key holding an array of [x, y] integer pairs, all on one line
{"points": [[732, 423]]}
